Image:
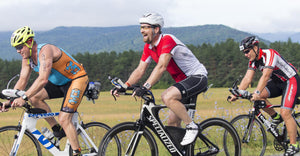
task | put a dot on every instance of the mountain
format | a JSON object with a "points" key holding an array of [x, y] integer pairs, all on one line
{"points": [[281, 36], [119, 39]]}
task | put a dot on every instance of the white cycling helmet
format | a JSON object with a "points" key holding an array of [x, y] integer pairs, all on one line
{"points": [[152, 19]]}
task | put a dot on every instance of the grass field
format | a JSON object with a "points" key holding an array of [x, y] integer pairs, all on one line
{"points": [[106, 110]]}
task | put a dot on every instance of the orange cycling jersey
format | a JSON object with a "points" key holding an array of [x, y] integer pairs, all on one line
{"points": [[65, 69]]}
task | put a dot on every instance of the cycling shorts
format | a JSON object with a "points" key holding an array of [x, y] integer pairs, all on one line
{"points": [[72, 92], [191, 87], [289, 91]]}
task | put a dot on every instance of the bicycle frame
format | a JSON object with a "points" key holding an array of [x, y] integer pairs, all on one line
{"points": [[150, 118], [255, 112], [29, 123]]}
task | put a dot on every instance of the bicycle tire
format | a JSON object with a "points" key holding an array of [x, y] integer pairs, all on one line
{"points": [[258, 136], [8, 135], [96, 131], [220, 133], [124, 131]]}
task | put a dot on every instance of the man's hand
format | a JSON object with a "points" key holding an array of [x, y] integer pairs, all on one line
{"points": [[3, 108], [18, 102], [231, 98], [116, 90], [255, 97], [140, 91]]}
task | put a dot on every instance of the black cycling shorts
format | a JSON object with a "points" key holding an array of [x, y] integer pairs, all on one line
{"points": [[191, 87]]}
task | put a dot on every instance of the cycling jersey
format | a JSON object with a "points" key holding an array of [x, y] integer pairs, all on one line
{"points": [[65, 69], [284, 79], [269, 58], [183, 62], [67, 79]]}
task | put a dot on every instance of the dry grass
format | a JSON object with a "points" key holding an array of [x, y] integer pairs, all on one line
{"points": [[106, 110]]}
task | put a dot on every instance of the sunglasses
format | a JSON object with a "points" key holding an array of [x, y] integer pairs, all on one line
{"points": [[19, 47], [147, 27], [246, 51]]}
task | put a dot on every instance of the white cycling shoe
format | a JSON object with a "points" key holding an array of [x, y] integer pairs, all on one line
{"points": [[190, 134]]}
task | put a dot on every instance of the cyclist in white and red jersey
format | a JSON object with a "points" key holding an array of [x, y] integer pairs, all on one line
{"points": [[279, 78], [173, 56]]}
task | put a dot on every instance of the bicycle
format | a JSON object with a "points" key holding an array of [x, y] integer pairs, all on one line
{"points": [[24, 138], [250, 126], [136, 137]]}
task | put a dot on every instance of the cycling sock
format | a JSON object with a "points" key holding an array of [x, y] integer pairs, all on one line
{"points": [[77, 152], [296, 145], [56, 128], [192, 125]]}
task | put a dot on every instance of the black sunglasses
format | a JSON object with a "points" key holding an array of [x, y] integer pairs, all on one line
{"points": [[19, 47], [246, 51]]}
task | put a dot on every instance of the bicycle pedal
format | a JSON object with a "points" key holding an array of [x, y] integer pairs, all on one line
{"points": [[277, 145]]}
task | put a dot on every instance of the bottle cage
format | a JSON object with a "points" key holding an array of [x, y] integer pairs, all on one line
{"points": [[93, 90]]}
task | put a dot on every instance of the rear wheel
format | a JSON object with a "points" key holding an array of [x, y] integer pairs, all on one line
{"points": [[217, 137], [29, 145], [96, 131]]}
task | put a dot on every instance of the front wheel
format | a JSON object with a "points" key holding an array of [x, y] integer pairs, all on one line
{"points": [[217, 137], [133, 142], [252, 134], [29, 145]]}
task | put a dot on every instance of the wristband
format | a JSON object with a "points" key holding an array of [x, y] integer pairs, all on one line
{"points": [[147, 85], [128, 84], [257, 92], [24, 97]]}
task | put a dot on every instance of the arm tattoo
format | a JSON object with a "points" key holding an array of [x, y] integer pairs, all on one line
{"points": [[44, 62]]}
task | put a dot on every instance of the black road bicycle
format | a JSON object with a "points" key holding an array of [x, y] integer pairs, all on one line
{"points": [[251, 130], [137, 139]]}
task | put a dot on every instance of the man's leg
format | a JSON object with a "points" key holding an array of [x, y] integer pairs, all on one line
{"points": [[65, 120], [38, 101], [290, 124], [171, 98]]}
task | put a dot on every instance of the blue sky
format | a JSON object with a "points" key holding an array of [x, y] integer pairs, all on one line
{"points": [[259, 16]]}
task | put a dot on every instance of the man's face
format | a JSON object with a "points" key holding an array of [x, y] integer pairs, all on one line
{"points": [[23, 50], [250, 54], [147, 31]]}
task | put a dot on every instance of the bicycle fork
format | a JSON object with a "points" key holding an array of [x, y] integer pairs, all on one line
{"points": [[248, 131], [17, 142]]}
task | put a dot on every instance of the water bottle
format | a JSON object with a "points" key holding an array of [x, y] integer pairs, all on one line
{"points": [[49, 135]]}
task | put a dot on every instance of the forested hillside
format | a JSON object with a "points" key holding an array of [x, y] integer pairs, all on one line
{"points": [[106, 39], [223, 61]]}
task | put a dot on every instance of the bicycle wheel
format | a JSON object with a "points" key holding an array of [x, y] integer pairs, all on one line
{"points": [[253, 138], [217, 137], [126, 133], [96, 131], [28, 146]]}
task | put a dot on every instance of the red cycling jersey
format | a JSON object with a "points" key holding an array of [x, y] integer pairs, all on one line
{"points": [[283, 73], [183, 62], [269, 58]]}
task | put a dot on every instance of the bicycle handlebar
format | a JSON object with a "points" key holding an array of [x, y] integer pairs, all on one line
{"points": [[118, 83], [243, 94]]}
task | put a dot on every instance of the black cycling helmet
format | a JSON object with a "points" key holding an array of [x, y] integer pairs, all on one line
{"points": [[248, 42]]}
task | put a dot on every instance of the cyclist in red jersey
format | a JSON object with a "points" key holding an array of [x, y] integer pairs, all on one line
{"points": [[279, 77], [173, 56]]}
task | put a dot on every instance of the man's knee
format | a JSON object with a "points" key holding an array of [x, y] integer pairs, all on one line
{"points": [[285, 113], [65, 118]]}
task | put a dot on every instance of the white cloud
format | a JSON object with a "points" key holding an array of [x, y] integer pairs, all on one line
{"points": [[251, 16]]}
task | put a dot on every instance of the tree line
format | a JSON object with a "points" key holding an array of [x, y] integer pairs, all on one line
{"points": [[224, 62]]}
